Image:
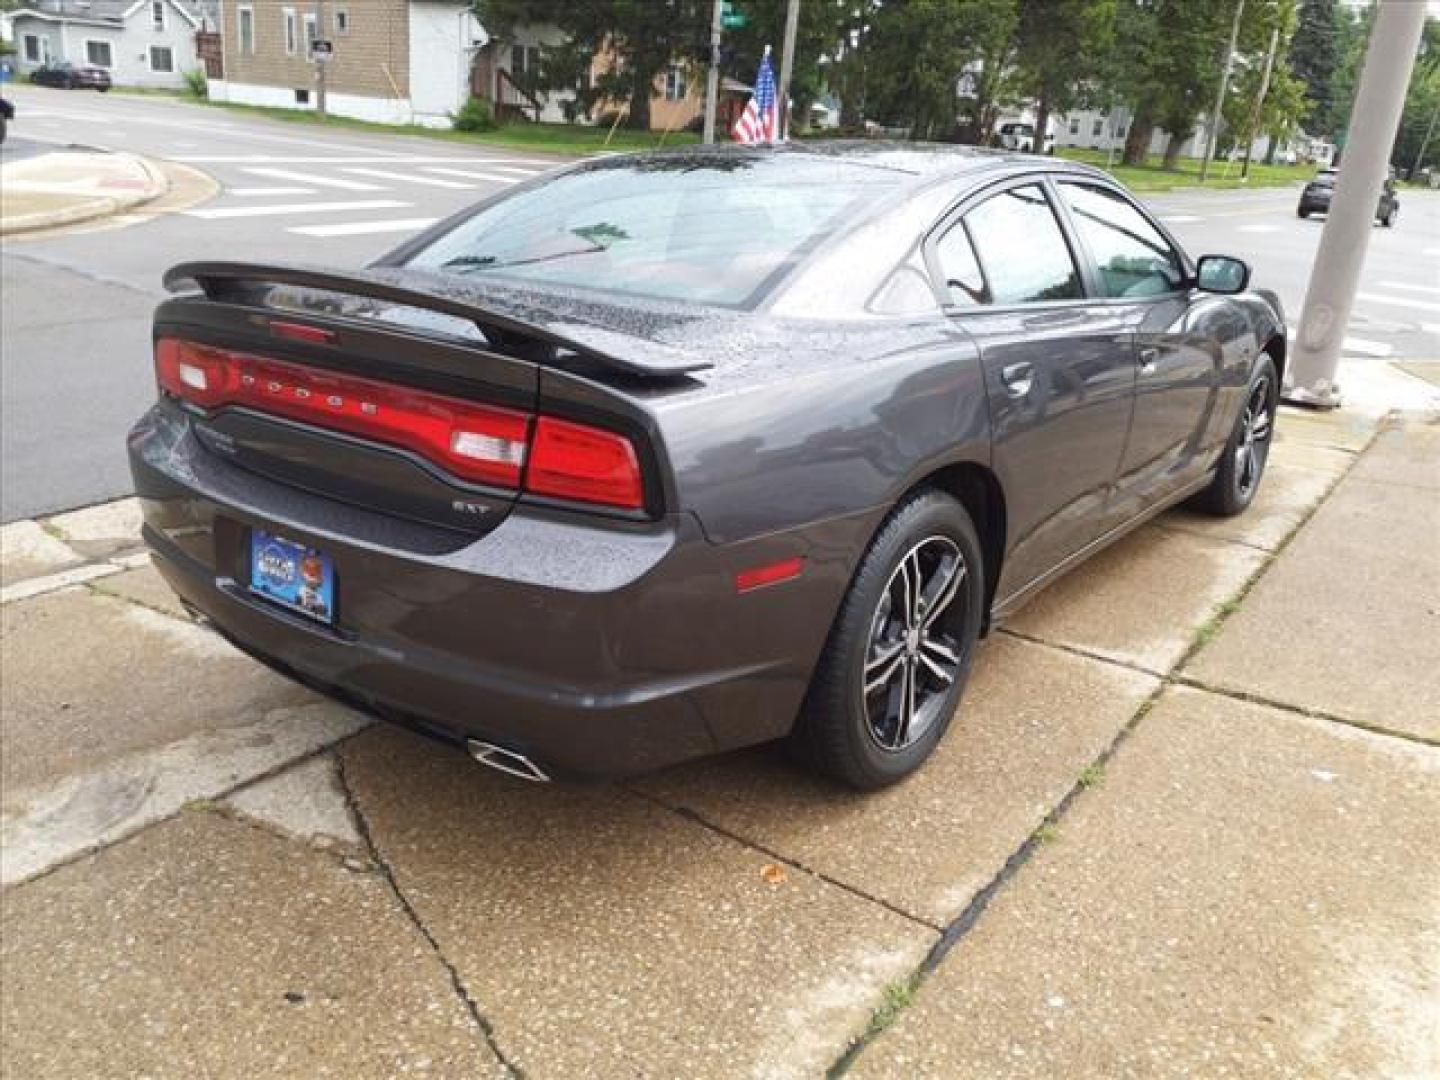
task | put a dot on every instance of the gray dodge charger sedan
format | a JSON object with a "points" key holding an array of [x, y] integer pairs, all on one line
{"points": [[661, 455]]}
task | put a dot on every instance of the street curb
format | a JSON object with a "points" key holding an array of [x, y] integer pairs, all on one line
{"points": [[99, 207]]}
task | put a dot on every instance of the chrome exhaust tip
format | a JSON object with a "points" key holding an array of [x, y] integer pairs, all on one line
{"points": [[506, 761]]}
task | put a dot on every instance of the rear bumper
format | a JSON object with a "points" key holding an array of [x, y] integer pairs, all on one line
{"points": [[592, 650]]}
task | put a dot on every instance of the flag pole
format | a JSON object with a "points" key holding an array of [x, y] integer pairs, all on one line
{"points": [[787, 64]]}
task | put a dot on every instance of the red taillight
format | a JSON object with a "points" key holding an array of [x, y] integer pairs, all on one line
{"points": [[475, 442], [574, 461]]}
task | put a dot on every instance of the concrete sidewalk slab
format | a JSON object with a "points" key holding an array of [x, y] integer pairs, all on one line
{"points": [[1286, 497], [28, 551], [1340, 429], [306, 803], [604, 936], [1348, 621], [207, 947], [1033, 718], [1249, 893], [89, 678], [1142, 600], [144, 586], [99, 532], [1405, 454]]}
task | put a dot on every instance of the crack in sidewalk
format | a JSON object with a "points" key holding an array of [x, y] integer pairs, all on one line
{"points": [[472, 1006], [695, 817]]}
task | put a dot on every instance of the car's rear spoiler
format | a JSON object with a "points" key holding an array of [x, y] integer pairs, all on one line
{"points": [[609, 348]]}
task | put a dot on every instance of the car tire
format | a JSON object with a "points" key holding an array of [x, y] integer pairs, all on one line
{"points": [[1388, 221], [871, 740], [1242, 464], [1303, 213]]}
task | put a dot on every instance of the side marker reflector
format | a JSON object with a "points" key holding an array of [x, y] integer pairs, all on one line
{"points": [[759, 576]]}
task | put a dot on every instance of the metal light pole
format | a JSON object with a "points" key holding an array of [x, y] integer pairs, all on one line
{"points": [[1214, 132], [318, 60], [1260, 103], [1310, 375], [787, 64], [712, 78]]}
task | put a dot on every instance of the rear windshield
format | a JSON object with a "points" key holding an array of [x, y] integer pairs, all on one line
{"points": [[713, 228], [1324, 179]]}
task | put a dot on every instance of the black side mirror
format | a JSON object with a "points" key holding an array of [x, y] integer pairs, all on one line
{"points": [[1221, 274]]}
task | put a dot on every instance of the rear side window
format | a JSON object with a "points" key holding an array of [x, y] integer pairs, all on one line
{"points": [[1133, 258], [1021, 249], [710, 228]]}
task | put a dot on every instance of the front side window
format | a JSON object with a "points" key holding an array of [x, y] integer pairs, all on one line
{"points": [[687, 228], [1021, 249], [161, 58], [98, 53], [1133, 258]]}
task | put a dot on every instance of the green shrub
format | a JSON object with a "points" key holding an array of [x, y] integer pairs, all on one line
{"points": [[475, 115], [196, 84]]}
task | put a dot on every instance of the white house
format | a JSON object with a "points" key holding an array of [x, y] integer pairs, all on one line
{"points": [[140, 42]]}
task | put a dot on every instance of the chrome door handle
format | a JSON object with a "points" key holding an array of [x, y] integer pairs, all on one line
{"points": [[1148, 356], [1017, 378]]}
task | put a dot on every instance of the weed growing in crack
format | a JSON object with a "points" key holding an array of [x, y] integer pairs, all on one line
{"points": [[1092, 775]]}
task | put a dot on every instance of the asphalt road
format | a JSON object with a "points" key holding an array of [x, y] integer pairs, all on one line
{"points": [[75, 369]]}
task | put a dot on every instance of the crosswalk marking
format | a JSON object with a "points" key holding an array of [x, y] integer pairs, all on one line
{"points": [[1180, 219], [1355, 346], [364, 228], [1259, 228], [408, 178], [294, 208], [314, 179], [1399, 301], [475, 174], [1411, 288], [259, 192]]}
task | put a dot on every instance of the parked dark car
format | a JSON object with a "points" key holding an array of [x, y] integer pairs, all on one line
{"points": [[7, 113], [68, 76], [667, 454], [1315, 199]]}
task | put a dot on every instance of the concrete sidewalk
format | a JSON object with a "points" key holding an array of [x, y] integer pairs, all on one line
{"points": [[1185, 825], [66, 187]]}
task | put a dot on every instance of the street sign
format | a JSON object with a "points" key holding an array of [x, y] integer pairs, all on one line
{"points": [[731, 19], [321, 51]]}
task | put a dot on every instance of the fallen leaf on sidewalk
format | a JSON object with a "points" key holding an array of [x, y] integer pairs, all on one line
{"points": [[772, 874]]}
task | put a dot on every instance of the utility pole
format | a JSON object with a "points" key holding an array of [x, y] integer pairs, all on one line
{"points": [[1214, 133], [787, 64], [1424, 144], [712, 78], [318, 60], [1389, 59], [1260, 102]]}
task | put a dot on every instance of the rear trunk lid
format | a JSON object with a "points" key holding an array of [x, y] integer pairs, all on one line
{"points": [[317, 358]]}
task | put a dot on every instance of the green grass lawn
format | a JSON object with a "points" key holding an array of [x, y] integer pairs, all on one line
{"points": [[1150, 177], [554, 138]]}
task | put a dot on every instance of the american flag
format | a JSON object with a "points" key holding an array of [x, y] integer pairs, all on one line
{"points": [[760, 122]]}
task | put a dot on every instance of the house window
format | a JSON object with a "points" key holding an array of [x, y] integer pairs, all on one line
{"points": [[342, 21], [246, 30], [32, 49], [524, 63], [1096, 128], [1074, 125], [675, 84], [312, 32], [292, 41], [98, 53], [162, 58], [157, 14], [302, 97]]}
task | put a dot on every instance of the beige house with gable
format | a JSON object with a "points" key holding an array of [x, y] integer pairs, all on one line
{"points": [[393, 61]]}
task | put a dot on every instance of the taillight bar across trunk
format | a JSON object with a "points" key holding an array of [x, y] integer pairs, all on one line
{"points": [[499, 447]]}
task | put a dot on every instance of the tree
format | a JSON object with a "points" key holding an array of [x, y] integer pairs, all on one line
{"points": [[641, 39], [916, 53], [1422, 108], [824, 29], [1314, 55], [1064, 46]]}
